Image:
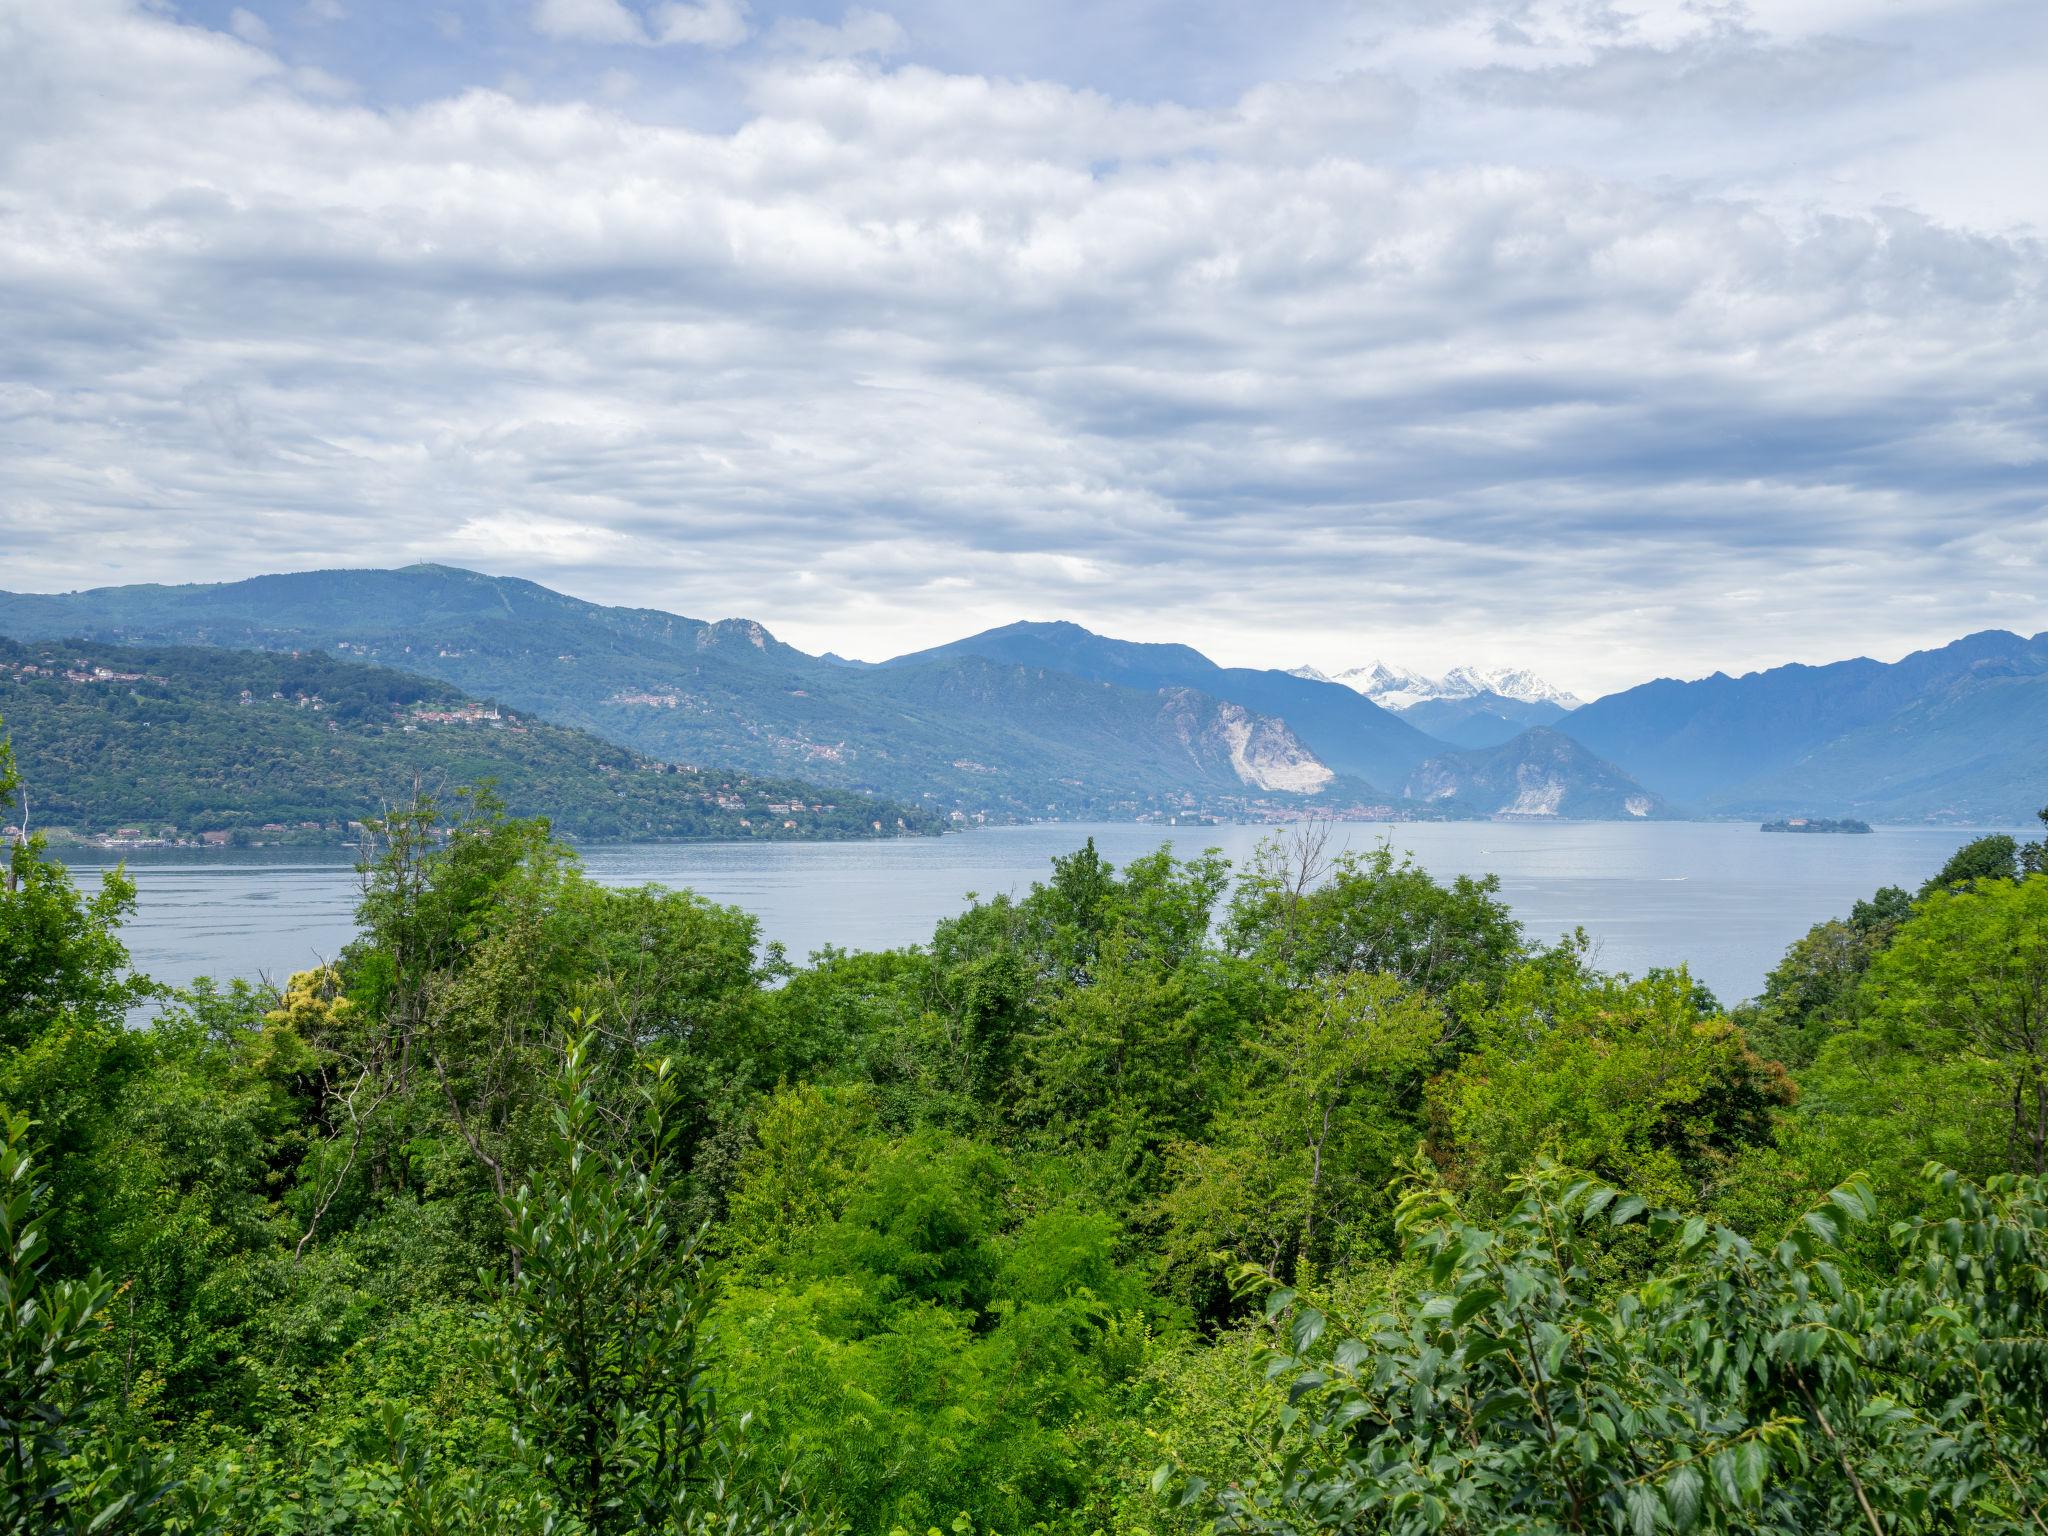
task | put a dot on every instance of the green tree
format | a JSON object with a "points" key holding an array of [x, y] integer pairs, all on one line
{"points": [[2034, 855], [1967, 979], [60, 958], [1293, 1173], [65, 1467], [1996, 857], [1619, 1078], [1740, 1388], [1301, 913], [604, 1352]]}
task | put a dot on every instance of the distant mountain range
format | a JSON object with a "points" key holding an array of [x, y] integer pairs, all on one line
{"points": [[1395, 687], [997, 734], [1050, 719], [1541, 772], [1467, 706], [1958, 733]]}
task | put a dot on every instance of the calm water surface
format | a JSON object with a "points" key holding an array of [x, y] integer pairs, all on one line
{"points": [[1724, 898]]}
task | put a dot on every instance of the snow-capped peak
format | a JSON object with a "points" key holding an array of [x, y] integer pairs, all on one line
{"points": [[1509, 683], [1383, 683], [1394, 687], [1313, 674]]}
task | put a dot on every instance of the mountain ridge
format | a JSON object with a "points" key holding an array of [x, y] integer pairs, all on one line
{"points": [[222, 743], [1348, 732], [1045, 718], [1732, 745], [958, 733], [1539, 773]]}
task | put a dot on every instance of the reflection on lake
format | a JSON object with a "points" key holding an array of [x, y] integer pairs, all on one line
{"points": [[1722, 897]]}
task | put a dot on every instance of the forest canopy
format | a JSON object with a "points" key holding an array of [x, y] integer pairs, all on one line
{"points": [[1309, 1196]]}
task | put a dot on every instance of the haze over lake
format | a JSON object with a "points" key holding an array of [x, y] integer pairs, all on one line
{"points": [[1722, 898]]}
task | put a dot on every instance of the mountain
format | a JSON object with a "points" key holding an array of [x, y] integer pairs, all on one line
{"points": [[1389, 686], [960, 731], [1974, 750], [1951, 731], [236, 742], [1348, 733], [1402, 688], [1482, 719], [1541, 772], [1516, 683]]}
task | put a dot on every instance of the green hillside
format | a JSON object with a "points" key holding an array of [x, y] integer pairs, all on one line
{"points": [[961, 731], [236, 742], [1541, 772]]}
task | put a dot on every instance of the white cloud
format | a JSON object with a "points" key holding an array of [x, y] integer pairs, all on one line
{"points": [[249, 27], [904, 350], [711, 24], [588, 21], [860, 32], [705, 23]]}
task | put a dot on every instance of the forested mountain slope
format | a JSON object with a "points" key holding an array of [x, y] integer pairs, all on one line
{"points": [[1344, 729], [1541, 772], [231, 741], [953, 731], [1742, 744], [1481, 719]]}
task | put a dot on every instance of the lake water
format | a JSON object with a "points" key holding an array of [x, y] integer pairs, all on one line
{"points": [[1724, 898]]}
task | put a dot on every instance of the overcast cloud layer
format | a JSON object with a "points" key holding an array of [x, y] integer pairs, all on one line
{"points": [[1612, 337]]}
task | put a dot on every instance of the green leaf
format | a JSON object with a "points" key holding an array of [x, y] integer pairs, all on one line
{"points": [[1472, 1303], [1483, 1346], [1306, 1329], [1684, 1491]]}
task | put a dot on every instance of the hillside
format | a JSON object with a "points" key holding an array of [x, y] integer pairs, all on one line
{"points": [[1038, 719], [1970, 751], [1346, 730], [1481, 719], [1766, 741], [1541, 772], [956, 731], [232, 742]]}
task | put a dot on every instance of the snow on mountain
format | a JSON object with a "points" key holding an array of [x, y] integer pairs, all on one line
{"points": [[1388, 686], [1509, 683], [1394, 687]]}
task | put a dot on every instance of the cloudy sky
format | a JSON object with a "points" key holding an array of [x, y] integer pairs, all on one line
{"points": [[1612, 337]]}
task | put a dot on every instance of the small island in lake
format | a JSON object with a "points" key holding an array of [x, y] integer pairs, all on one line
{"points": [[1816, 824]]}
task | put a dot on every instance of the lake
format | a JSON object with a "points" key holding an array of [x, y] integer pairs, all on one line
{"points": [[1722, 897]]}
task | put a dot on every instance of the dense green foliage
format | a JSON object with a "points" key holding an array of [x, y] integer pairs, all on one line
{"points": [[200, 740], [1311, 1196]]}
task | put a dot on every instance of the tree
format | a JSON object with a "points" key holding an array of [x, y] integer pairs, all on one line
{"points": [[2034, 856], [59, 956], [1292, 1175], [1996, 857], [1740, 1388], [61, 1468], [1968, 978], [1619, 1078], [1303, 917], [605, 1353]]}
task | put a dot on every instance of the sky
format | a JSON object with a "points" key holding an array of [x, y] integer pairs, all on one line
{"points": [[1611, 338]]}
